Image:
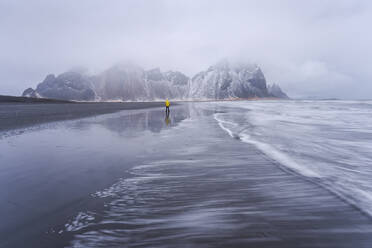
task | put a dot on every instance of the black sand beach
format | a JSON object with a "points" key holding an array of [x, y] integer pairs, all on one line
{"points": [[138, 179], [23, 114]]}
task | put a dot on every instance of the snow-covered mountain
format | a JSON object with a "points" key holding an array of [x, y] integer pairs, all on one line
{"points": [[66, 86], [128, 82], [225, 80], [131, 82]]}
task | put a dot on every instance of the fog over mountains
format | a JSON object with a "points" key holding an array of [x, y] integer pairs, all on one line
{"points": [[129, 82]]}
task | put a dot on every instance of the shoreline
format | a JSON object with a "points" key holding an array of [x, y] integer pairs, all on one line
{"points": [[23, 112], [237, 99]]}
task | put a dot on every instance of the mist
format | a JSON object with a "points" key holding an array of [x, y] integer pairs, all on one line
{"points": [[311, 49]]}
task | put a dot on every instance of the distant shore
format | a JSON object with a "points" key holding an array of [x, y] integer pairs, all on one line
{"points": [[233, 99], [22, 99]]}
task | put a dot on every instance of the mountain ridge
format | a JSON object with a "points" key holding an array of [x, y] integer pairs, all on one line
{"points": [[129, 82]]}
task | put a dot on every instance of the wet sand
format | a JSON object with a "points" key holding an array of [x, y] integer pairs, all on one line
{"points": [[137, 179], [20, 115]]}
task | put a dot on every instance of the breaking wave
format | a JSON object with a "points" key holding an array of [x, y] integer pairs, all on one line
{"points": [[327, 141]]}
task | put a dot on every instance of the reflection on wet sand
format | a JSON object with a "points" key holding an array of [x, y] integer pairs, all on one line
{"points": [[83, 155], [167, 119], [128, 123]]}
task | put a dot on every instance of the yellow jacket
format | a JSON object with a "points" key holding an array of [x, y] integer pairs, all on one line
{"points": [[167, 103]]}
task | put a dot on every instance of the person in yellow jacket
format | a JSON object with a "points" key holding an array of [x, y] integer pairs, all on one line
{"points": [[167, 104]]}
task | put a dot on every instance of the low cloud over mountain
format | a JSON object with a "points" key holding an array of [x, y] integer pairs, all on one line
{"points": [[128, 82]]}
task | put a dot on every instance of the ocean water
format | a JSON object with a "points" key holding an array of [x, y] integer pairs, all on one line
{"points": [[207, 189], [203, 188], [193, 179], [329, 142]]}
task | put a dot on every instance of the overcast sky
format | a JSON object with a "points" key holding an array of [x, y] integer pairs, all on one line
{"points": [[310, 48]]}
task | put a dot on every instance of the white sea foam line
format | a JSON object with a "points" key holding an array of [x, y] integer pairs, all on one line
{"points": [[288, 162], [270, 151], [220, 121]]}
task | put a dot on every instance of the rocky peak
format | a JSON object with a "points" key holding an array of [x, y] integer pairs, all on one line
{"points": [[229, 80], [67, 86], [29, 92], [275, 91]]}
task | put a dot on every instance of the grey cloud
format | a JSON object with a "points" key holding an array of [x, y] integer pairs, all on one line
{"points": [[311, 48]]}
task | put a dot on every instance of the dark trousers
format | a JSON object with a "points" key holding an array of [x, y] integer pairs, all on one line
{"points": [[167, 109]]}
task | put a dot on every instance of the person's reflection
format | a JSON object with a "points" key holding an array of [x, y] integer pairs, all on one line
{"points": [[167, 120]]}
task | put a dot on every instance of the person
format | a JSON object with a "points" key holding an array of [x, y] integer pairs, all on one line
{"points": [[167, 104]]}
